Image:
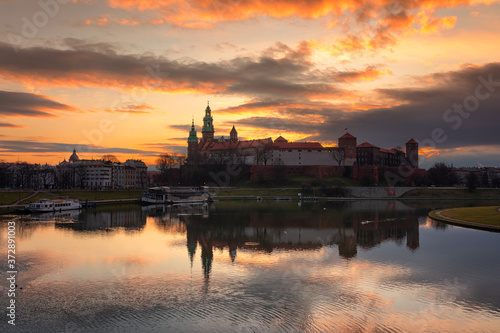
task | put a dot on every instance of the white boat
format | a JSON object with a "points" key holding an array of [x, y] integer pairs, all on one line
{"points": [[48, 205], [172, 195]]}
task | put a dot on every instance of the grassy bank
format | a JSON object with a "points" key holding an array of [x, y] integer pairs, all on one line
{"points": [[482, 217], [452, 193], [92, 195], [11, 197], [299, 182]]}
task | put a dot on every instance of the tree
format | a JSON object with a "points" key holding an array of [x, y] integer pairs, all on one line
{"points": [[263, 154], [180, 159], [485, 179], [339, 155], [165, 163], [495, 182], [81, 172], [442, 175], [472, 181]]}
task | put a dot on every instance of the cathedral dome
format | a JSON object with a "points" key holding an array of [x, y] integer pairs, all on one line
{"points": [[74, 157]]}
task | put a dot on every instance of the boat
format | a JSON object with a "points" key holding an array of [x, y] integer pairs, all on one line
{"points": [[48, 205], [175, 195]]}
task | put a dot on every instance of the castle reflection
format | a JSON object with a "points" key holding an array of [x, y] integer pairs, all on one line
{"points": [[270, 227]]}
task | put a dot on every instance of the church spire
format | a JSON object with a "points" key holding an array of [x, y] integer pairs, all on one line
{"points": [[233, 135], [208, 126]]}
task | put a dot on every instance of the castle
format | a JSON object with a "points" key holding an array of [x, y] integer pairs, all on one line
{"points": [[294, 156]]}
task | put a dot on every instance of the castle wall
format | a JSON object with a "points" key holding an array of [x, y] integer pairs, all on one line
{"points": [[303, 157]]}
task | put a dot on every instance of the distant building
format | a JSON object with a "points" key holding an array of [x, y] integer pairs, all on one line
{"points": [[102, 173]]}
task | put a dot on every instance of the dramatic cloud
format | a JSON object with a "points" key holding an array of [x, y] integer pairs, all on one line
{"points": [[459, 109], [32, 146], [371, 24], [17, 104], [206, 13], [280, 71]]}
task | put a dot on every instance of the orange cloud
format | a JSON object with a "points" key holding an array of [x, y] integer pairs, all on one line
{"points": [[369, 74], [185, 13], [434, 25], [371, 24]]}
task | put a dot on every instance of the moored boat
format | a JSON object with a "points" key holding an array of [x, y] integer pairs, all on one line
{"points": [[172, 195], [48, 205]]}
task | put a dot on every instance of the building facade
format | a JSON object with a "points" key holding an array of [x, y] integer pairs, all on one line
{"points": [[102, 174], [281, 152]]}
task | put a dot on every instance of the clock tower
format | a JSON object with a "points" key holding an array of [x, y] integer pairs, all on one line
{"points": [[208, 126]]}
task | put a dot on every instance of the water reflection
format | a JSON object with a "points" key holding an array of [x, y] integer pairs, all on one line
{"points": [[345, 225], [256, 267]]}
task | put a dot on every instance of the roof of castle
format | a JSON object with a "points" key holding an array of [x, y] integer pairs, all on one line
{"points": [[366, 145], [280, 139], [412, 141], [297, 145], [347, 136], [389, 151], [217, 145]]}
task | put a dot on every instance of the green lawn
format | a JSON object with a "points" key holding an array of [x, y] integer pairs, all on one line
{"points": [[298, 181], [256, 192], [485, 215], [453, 193], [10, 197], [100, 195]]}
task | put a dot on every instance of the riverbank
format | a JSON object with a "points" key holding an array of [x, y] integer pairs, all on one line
{"points": [[15, 200], [486, 218], [16, 197]]}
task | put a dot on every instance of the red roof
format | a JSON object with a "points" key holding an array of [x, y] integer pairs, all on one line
{"points": [[412, 141], [366, 145], [347, 136], [216, 145], [297, 145], [390, 151], [280, 139]]}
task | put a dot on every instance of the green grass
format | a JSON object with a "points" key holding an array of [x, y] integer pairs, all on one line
{"points": [[11, 197], [481, 193], [37, 198], [484, 215], [91, 195], [298, 181], [257, 192]]}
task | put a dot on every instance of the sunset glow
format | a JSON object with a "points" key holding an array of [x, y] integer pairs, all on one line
{"points": [[127, 77]]}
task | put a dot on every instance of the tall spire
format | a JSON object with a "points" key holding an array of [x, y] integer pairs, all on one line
{"points": [[208, 126], [233, 135]]}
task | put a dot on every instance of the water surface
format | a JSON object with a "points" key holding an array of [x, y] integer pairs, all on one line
{"points": [[357, 266]]}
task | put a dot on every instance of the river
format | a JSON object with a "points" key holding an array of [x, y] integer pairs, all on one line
{"points": [[236, 266]]}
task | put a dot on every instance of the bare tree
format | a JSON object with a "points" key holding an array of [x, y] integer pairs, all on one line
{"points": [[81, 172], [339, 156], [180, 159], [165, 162], [263, 154]]}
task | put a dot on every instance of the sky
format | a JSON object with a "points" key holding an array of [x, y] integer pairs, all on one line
{"points": [[127, 77]]}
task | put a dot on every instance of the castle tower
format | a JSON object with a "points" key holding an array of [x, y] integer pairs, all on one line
{"points": [[348, 142], [192, 143], [412, 153], [208, 126], [233, 136]]}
